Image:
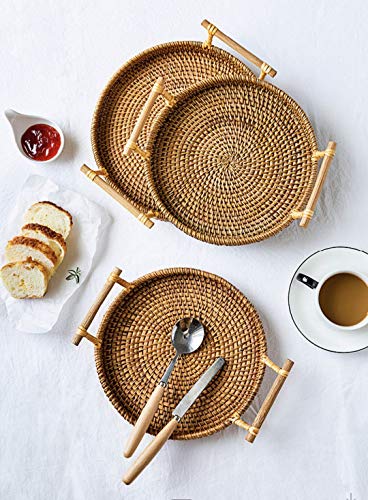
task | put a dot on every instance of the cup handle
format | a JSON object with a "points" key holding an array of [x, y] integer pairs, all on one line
{"points": [[307, 280]]}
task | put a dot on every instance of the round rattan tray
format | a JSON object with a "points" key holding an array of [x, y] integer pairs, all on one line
{"points": [[232, 161], [245, 171], [133, 348], [183, 63]]}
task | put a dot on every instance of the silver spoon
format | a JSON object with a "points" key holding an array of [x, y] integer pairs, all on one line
{"points": [[186, 337]]}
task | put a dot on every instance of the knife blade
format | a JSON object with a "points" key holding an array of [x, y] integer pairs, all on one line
{"points": [[198, 388]]}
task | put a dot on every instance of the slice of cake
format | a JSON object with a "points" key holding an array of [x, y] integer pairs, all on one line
{"points": [[25, 280], [48, 214]]}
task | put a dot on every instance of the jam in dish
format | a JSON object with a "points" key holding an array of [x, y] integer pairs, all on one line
{"points": [[41, 142]]}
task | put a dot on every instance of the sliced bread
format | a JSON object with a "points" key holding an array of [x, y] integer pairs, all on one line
{"points": [[53, 239], [21, 248], [25, 280], [48, 214]]}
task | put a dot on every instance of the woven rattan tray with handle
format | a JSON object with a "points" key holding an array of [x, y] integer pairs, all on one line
{"points": [[183, 64], [133, 348], [232, 161]]}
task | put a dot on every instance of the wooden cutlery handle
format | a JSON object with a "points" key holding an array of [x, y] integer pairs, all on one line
{"points": [[214, 31], [144, 421], [150, 451]]}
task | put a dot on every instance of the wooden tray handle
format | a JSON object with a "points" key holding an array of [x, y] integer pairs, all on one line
{"points": [[307, 214], [282, 374], [81, 332], [157, 90], [150, 451], [265, 68], [95, 176]]}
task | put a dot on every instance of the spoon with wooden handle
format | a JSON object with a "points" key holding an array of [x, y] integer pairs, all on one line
{"points": [[186, 337]]}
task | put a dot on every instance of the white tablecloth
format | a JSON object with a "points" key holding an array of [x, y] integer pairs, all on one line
{"points": [[60, 437]]}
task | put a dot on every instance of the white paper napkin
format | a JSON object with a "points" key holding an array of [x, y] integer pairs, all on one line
{"points": [[89, 220]]}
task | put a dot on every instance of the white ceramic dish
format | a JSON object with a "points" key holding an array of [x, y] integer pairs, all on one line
{"points": [[19, 124], [302, 306]]}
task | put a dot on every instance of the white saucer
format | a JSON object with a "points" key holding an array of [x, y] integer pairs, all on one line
{"points": [[302, 301]]}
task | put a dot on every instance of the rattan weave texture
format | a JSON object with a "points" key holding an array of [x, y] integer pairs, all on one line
{"points": [[231, 160], [136, 349], [182, 64]]}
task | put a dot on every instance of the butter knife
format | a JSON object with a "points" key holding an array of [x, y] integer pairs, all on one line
{"points": [[157, 443]]}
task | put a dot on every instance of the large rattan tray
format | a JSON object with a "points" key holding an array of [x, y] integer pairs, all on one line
{"points": [[133, 348], [183, 64], [231, 161]]}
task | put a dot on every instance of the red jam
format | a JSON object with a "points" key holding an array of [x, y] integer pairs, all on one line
{"points": [[41, 142]]}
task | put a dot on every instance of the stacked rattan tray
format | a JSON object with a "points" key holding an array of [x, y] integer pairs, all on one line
{"points": [[133, 348], [183, 64], [187, 133]]}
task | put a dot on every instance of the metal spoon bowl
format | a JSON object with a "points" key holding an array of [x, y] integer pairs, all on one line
{"points": [[186, 337]]}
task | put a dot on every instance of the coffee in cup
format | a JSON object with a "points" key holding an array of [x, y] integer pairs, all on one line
{"points": [[342, 298]]}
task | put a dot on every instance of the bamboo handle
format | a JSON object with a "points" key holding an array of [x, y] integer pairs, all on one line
{"points": [[82, 329], [265, 68], [144, 421], [328, 155], [150, 451], [95, 177], [157, 90], [270, 398]]}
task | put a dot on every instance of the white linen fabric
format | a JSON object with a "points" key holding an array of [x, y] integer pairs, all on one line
{"points": [[60, 437]]}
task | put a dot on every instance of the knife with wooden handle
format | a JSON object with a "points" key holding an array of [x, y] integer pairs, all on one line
{"points": [[157, 443]]}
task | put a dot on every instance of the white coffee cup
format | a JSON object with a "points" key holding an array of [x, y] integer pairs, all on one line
{"points": [[317, 285]]}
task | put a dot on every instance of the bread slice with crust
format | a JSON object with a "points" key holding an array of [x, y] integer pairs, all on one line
{"points": [[53, 239], [25, 280], [48, 214], [21, 248]]}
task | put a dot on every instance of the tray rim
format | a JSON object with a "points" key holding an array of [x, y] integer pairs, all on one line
{"points": [[159, 274], [197, 87], [117, 74]]}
